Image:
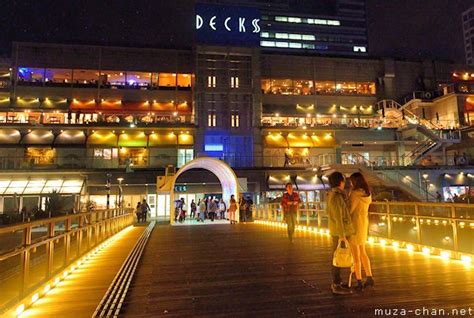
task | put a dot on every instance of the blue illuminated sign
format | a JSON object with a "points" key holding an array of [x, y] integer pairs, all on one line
{"points": [[227, 25], [213, 147]]}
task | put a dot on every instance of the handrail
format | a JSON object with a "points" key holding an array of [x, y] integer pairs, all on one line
{"points": [[90, 230], [455, 217]]}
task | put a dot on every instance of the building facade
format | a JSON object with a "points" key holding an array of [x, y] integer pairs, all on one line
{"points": [[73, 118], [468, 29]]}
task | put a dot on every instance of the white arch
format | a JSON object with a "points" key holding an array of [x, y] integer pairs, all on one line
{"points": [[225, 174]]}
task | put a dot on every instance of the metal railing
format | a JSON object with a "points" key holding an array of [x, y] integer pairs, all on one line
{"points": [[438, 226], [32, 253]]}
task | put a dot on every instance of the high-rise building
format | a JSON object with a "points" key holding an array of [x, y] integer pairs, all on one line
{"points": [[316, 27], [468, 27]]}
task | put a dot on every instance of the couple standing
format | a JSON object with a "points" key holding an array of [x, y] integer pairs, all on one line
{"points": [[348, 222]]}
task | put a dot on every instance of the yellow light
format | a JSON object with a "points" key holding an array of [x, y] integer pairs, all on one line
{"points": [[47, 288], [395, 244], [410, 247], [56, 281], [35, 297], [65, 274], [445, 254], [371, 240], [383, 242], [426, 250], [20, 309]]}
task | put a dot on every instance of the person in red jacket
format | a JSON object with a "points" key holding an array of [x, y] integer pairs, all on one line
{"points": [[289, 205]]}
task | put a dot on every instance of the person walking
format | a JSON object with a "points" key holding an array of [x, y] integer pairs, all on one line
{"points": [[222, 209], [138, 212], [359, 199], [289, 205], [340, 225], [192, 215], [145, 208], [232, 209], [213, 209]]}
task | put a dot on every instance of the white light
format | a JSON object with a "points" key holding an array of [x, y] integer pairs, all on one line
{"points": [[395, 244], [426, 250], [47, 288], [383, 242], [466, 259], [20, 309], [445, 254], [371, 240], [410, 248], [35, 297]]}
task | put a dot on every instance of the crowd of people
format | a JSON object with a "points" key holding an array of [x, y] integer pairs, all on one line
{"points": [[212, 208], [348, 225]]}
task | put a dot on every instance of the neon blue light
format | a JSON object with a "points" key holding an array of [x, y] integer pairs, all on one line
{"points": [[214, 147]]}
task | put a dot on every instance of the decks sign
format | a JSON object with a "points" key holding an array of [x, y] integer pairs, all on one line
{"points": [[227, 25]]}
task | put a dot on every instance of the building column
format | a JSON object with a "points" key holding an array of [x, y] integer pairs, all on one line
{"points": [[400, 153]]}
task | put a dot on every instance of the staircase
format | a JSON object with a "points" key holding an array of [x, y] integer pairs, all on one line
{"points": [[381, 179], [410, 125]]}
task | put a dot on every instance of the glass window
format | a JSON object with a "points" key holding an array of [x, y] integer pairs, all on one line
{"points": [[266, 86], [295, 36], [184, 80], [281, 19], [308, 46], [112, 78], [281, 44], [184, 156], [320, 21], [367, 88], [281, 35], [40, 156], [267, 43], [167, 80], [30, 74], [58, 76], [309, 37], [85, 77], [303, 87], [325, 87], [138, 79], [295, 45], [294, 20], [265, 35], [334, 22], [133, 156], [346, 88], [282, 86]]}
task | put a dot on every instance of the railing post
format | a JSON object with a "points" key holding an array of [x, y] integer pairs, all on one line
{"points": [[389, 221], [79, 235], [50, 251], [67, 240], [455, 229], [308, 212], [25, 261], [417, 224], [319, 215]]}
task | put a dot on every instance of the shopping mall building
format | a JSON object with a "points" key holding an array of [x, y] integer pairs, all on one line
{"points": [[280, 97]]}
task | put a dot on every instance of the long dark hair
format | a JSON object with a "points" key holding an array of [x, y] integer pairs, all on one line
{"points": [[358, 182]]}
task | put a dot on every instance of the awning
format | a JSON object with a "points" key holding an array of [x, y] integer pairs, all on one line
{"points": [[276, 141], [164, 139], [132, 139], [103, 138], [40, 186], [68, 137], [9, 136], [301, 141], [39, 137]]}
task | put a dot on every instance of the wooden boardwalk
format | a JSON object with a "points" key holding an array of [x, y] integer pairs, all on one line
{"points": [[81, 292], [251, 270]]}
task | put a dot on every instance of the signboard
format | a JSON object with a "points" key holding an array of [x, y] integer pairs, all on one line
{"points": [[180, 188], [227, 25]]}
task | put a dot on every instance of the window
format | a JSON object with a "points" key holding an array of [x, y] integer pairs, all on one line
{"points": [[211, 119], [309, 37], [184, 80], [320, 21], [85, 77], [138, 79], [59, 76], [234, 82], [166, 80], [346, 88], [265, 35], [267, 43], [184, 156], [295, 45], [30, 74], [308, 46], [295, 36], [281, 44], [326, 87], [294, 20], [333, 22], [281, 19], [367, 88], [105, 153], [235, 120], [211, 81], [281, 35]]}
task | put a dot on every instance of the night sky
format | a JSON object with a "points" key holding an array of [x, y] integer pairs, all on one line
{"points": [[410, 29]]}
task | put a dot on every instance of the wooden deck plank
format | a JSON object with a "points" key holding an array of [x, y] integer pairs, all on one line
{"points": [[81, 292], [251, 270]]}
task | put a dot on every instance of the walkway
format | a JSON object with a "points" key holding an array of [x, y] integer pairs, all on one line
{"points": [[251, 270], [79, 295]]}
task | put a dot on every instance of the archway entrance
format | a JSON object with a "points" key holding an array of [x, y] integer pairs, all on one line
{"points": [[225, 174]]}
